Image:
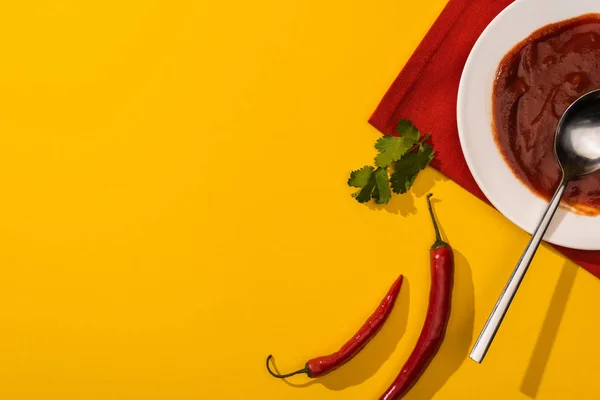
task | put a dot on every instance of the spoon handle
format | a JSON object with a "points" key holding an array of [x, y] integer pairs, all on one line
{"points": [[495, 319]]}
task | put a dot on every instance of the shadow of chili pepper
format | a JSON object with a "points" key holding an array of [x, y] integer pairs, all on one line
{"points": [[366, 363], [454, 351], [459, 335], [376, 353]]}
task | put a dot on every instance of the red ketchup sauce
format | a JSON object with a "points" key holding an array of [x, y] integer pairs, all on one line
{"points": [[535, 83]]}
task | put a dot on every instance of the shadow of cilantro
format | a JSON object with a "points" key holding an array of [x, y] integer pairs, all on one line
{"points": [[404, 204]]}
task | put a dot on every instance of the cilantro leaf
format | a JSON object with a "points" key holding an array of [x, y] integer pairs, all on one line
{"points": [[408, 167], [360, 177], [382, 193], [391, 148], [407, 130], [364, 194]]}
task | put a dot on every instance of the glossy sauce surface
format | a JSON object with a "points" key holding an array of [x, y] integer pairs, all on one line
{"points": [[534, 85]]}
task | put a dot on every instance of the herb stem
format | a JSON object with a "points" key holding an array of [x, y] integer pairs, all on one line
{"points": [[420, 142]]}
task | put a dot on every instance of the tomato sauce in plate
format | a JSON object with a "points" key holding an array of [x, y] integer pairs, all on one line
{"points": [[535, 83]]}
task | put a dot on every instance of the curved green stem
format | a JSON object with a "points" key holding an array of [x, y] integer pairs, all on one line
{"points": [[438, 237], [304, 370]]}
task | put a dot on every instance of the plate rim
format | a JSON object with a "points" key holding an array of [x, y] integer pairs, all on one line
{"points": [[462, 99]]}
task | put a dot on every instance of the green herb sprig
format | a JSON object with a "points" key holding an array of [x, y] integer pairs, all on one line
{"points": [[404, 156]]}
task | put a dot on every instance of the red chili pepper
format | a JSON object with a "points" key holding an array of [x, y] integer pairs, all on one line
{"points": [[322, 365], [438, 313]]}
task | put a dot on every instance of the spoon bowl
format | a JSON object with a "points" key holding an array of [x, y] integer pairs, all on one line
{"points": [[577, 142], [577, 149]]}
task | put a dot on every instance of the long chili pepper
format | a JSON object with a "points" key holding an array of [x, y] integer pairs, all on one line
{"points": [[322, 365], [438, 313]]}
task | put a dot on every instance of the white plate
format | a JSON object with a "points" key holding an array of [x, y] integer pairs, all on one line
{"points": [[474, 113]]}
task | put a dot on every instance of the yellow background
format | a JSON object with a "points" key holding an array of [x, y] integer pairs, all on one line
{"points": [[174, 208]]}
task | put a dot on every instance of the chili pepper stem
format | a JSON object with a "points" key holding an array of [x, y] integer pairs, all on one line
{"points": [[439, 243], [304, 370]]}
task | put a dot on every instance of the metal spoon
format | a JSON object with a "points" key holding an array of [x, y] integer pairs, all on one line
{"points": [[577, 148]]}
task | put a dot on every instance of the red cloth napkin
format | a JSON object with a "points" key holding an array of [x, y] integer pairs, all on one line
{"points": [[426, 91]]}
